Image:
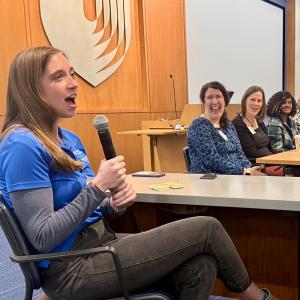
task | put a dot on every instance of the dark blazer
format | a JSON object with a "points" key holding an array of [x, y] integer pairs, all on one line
{"points": [[254, 145]]}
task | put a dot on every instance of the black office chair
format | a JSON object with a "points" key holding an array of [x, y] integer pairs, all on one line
{"points": [[186, 155], [184, 209], [21, 254]]}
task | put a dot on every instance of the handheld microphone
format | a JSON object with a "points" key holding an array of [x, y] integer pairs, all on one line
{"points": [[101, 124], [174, 95]]}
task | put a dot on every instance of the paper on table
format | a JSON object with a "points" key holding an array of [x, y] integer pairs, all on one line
{"points": [[166, 186]]}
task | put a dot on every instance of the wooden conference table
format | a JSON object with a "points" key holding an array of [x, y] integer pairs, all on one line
{"points": [[260, 214], [288, 158]]}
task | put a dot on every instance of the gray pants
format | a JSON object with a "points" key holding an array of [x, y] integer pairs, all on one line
{"points": [[186, 254]]}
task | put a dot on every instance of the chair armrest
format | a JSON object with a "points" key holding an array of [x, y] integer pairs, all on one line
{"points": [[75, 253], [60, 255]]}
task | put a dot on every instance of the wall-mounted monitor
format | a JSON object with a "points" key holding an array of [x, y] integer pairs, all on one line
{"points": [[237, 42]]}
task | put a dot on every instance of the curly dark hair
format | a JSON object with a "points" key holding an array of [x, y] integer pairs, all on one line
{"points": [[218, 86], [276, 101]]}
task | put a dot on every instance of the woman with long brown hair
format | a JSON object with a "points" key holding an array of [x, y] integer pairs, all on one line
{"points": [[249, 124], [213, 143], [61, 204]]}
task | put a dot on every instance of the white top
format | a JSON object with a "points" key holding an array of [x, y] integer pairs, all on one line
{"points": [[241, 191]]}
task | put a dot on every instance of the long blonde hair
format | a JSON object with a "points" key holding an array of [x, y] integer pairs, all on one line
{"points": [[25, 105]]}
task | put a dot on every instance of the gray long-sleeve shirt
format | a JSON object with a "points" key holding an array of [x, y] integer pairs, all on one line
{"points": [[46, 228]]}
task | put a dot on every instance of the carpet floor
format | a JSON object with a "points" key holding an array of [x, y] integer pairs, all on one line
{"points": [[12, 284]]}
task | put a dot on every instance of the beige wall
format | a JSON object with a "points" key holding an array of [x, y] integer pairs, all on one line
{"points": [[141, 89]]}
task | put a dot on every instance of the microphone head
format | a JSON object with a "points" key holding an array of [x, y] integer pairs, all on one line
{"points": [[101, 123]]}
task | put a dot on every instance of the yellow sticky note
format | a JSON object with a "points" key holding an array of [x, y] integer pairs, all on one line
{"points": [[166, 186], [177, 186], [158, 187]]}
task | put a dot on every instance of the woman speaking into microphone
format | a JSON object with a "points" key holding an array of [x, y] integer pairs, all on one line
{"points": [[44, 177]]}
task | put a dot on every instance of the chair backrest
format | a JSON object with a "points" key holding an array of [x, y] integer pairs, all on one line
{"points": [[186, 155], [19, 244]]}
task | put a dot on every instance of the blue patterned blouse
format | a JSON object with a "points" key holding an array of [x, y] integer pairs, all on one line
{"points": [[214, 149]]}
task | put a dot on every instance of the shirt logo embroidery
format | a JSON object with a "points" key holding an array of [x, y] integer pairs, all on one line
{"points": [[80, 155]]}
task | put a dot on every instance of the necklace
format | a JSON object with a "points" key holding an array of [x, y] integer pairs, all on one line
{"points": [[251, 123]]}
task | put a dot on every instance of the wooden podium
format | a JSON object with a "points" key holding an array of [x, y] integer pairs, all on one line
{"points": [[163, 144]]}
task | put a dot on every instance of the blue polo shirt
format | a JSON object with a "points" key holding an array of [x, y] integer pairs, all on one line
{"points": [[26, 164]]}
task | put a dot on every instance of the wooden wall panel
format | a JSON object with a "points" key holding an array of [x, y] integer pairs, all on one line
{"points": [[13, 39], [290, 46], [1, 121], [156, 116], [233, 110], [128, 145], [166, 53]]}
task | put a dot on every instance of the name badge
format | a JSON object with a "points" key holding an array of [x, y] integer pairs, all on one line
{"points": [[223, 135]]}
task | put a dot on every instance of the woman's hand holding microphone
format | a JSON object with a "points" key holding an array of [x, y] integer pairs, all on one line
{"points": [[111, 176]]}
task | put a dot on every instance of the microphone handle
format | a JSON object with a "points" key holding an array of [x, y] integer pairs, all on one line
{"points": [[107, 145]]}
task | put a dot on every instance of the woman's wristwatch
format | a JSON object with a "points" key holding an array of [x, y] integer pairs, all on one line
{"points": [[248, 171]]}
